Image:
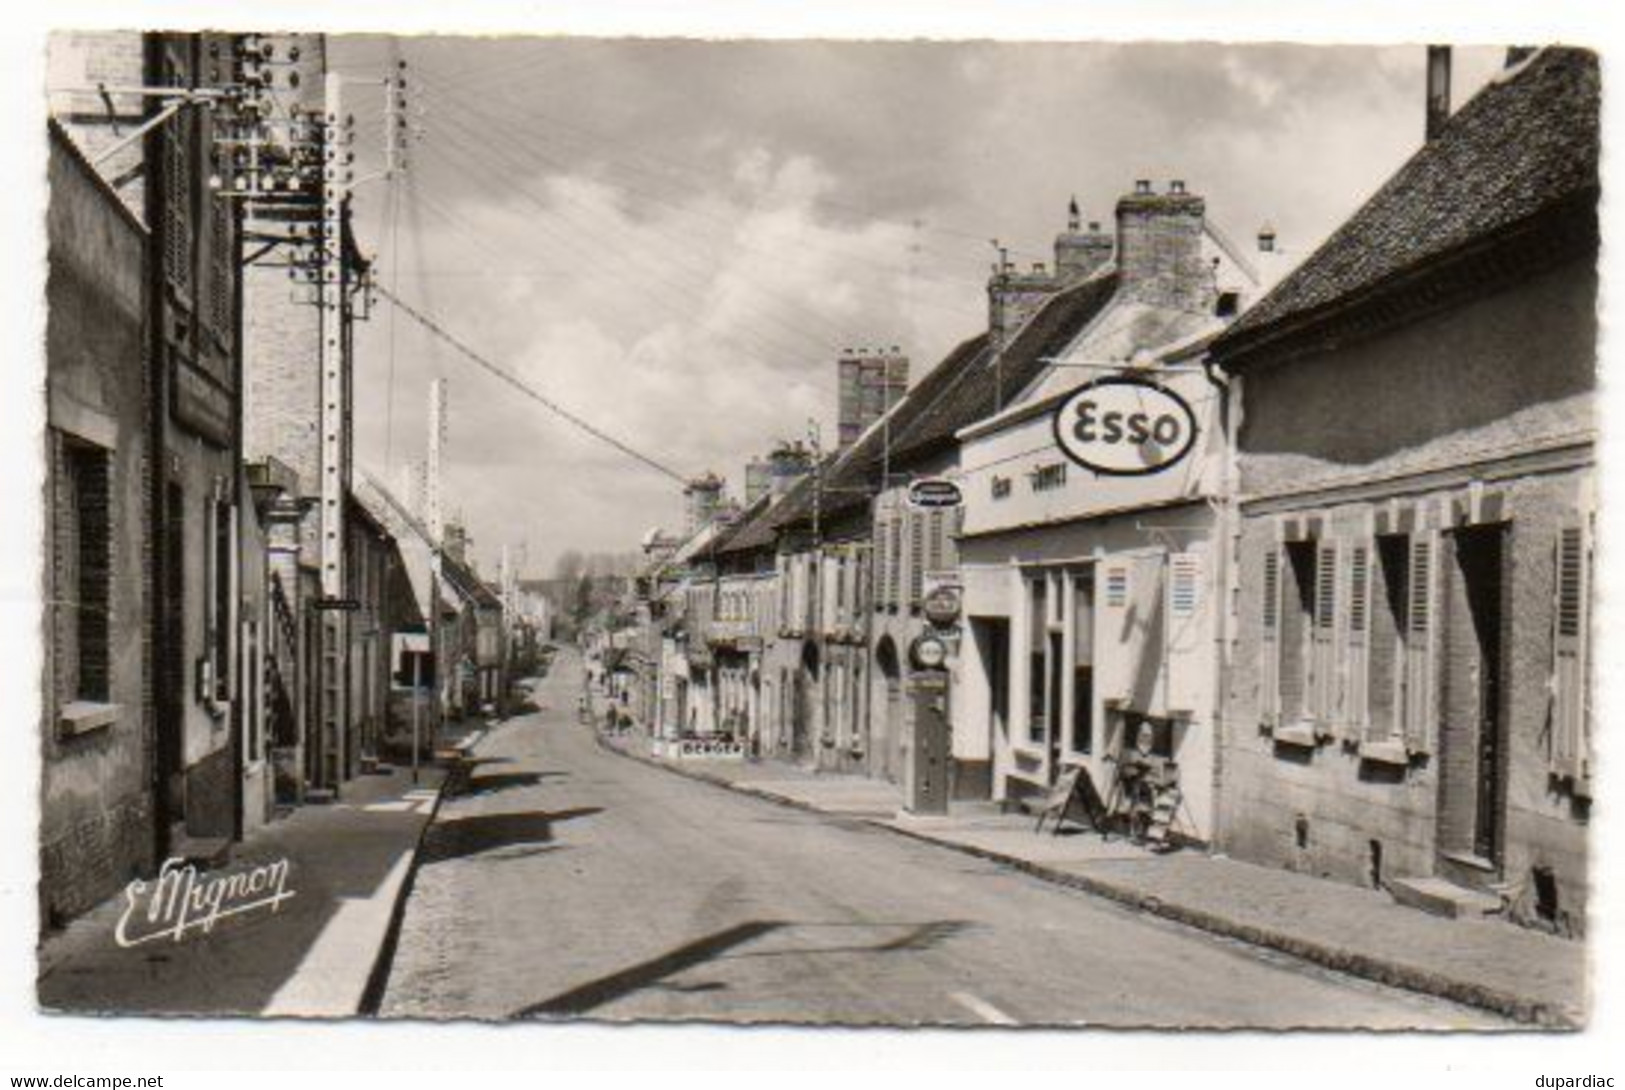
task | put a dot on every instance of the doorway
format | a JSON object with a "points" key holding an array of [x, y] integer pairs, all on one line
{"points": [[1473, 749]]}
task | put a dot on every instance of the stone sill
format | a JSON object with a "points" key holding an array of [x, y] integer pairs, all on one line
{"points": [[1298, 734], [83, 716], [1388, 753]]}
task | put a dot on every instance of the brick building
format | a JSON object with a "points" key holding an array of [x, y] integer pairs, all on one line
{"points": [[1406, 703]]}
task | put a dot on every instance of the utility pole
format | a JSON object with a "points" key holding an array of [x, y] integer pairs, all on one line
{"points": [[335, 292]]}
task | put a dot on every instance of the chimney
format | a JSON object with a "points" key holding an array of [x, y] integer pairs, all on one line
{"points": [[701, 497], [454, 542], [785, 465], [1438, 90], [757, 477], [1159, 249], [868, 385], [1079, 253], [1266, 239]]}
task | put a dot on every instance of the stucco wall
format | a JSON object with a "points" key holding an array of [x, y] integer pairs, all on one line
{"points": [[96, 806]]}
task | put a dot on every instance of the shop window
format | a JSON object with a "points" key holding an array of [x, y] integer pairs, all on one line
{"points": [[1038, 709], [1083, 679]]}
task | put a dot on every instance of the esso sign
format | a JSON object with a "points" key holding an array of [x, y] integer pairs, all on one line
{"points": [[1125, 427]]}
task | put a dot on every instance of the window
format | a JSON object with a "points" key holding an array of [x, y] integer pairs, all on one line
{"points": [[1297, 625], [1083, 633], [1386, 639], [84, 530], [1038, 710]]}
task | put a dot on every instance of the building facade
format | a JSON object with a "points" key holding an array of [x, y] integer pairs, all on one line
{"points": [[1407, 702]]}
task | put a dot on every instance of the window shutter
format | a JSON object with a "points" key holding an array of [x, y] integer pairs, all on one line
{"points": [[894, 567], [1323, 683], [1421, 704], [1356, 696], [934, 541], [882, 535], [916, 556], [1269, 672], [1186, 611], [1113, 638], [1569, 681]]}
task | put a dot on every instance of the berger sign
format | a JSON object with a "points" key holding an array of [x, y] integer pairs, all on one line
{"points": [[934, 492], [1125, 427]]}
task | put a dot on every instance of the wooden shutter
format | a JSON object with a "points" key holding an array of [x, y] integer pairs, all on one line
{"points": [[894, 565], [916, 556], [1113, 640], [1357, 657], [881, 555], [934, 541], [1323, 693], [1269, 666], [1185, 612], [1422, 605], [1569, 681]]}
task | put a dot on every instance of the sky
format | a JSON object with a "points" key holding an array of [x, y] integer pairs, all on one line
{"points": [[675, 238]]}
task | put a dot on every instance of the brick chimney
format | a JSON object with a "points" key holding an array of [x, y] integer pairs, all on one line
{"points": [[1159, 249], [701, 497], [868, 385], [1438, 90], [1078, 252], [785, 466]]}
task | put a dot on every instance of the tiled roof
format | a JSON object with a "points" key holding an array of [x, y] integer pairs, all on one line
{"points": [[1527, 142], [994, 382], [956, 392]]}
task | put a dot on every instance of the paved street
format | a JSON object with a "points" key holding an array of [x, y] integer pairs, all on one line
{"points": [[568, 881]]}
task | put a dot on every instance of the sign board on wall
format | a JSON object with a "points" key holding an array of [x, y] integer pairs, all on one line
{"points": [[1125, 426]]}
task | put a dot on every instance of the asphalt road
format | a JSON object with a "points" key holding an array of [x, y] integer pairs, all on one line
{"points": [[573, 882]]}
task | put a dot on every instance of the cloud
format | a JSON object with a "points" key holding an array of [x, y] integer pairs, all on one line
{"points": [[674, 239]]}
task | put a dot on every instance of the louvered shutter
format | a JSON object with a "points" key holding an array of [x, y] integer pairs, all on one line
{"points": [[1269, 666], [933, 553], [1323, 640], [1421, 701], [1185, 612], [1113, 638], [1569, 680], [916, 556], [894, 566], [881, 554], [1357, 657]]}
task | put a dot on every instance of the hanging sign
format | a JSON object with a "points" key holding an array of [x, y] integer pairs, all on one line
{"points": [[935, 492], [1125, 427]]}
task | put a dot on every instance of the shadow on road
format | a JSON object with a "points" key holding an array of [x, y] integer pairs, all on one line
{"points": [[479, 833], [716, 947], [606, 989], [504, 781]]}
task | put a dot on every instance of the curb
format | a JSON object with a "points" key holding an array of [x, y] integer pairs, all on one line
{"points": [[1394, 974], [373, 994]]}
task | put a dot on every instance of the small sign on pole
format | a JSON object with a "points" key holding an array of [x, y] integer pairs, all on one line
{"points": [[935, 493]]}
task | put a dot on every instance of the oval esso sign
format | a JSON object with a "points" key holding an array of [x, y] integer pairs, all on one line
{"points": [[1124, 427]]}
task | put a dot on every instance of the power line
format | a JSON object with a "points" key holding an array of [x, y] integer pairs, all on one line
{"points": [[513, 380]]}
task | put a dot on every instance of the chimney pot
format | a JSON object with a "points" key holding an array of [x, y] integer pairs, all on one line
{"points": [[1142, 185], [1266, 239], [1438, 89], [1176, 186]]}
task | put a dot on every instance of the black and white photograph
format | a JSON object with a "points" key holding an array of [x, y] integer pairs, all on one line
{"points": [[901, 532]]}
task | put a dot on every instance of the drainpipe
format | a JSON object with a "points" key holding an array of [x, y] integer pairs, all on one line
{"points": [[1228, 576]]}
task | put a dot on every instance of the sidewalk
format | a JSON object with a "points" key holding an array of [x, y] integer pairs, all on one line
{"points": [[1518, 973], [314, 956]]}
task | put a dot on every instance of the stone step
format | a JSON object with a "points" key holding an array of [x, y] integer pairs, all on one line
{"points": [[203, 852], [1444, 898]]}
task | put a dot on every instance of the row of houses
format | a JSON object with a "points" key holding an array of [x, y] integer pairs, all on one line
{"points": [[198, 678], [1310, 534]]}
